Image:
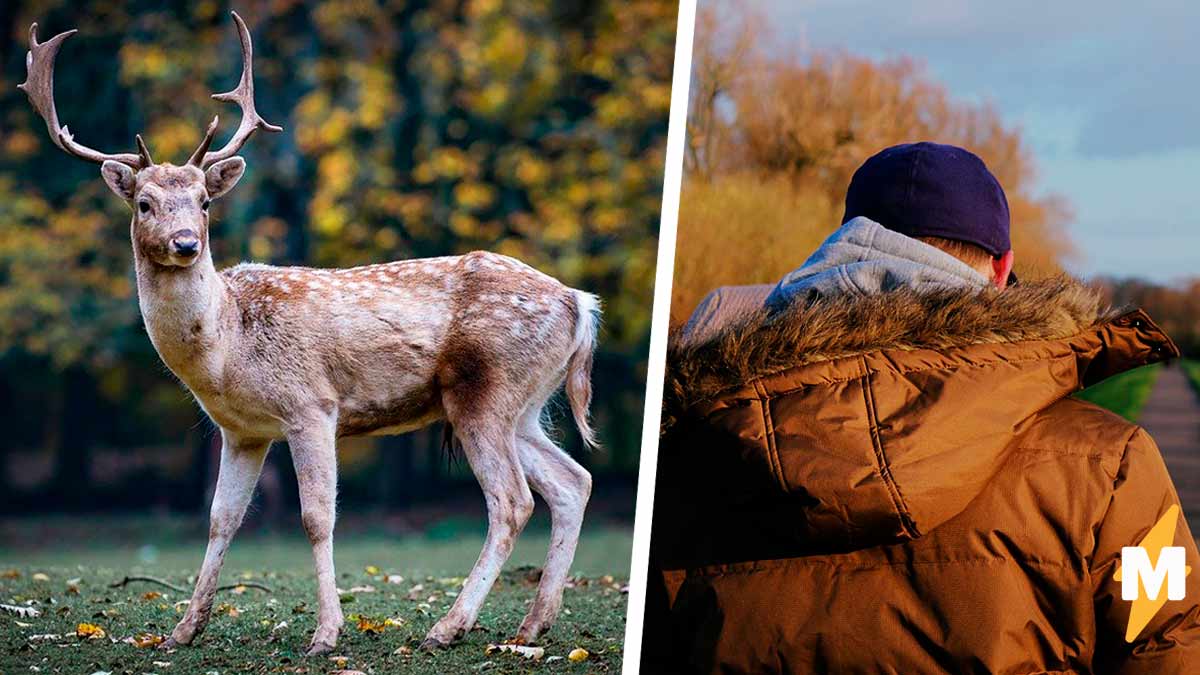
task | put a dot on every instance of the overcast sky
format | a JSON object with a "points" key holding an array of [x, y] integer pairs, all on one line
{"points": [[1107, 94]]}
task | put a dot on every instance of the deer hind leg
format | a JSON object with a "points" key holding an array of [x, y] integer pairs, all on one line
{"points": [[241, 464], [489, 443], [313, 446], [565, 486]]}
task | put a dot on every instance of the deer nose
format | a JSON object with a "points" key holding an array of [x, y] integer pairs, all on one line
{"points": [[185, 244]]}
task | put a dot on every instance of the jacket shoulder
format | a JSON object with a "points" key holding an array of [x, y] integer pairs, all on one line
{"points": [[1079, 427]]}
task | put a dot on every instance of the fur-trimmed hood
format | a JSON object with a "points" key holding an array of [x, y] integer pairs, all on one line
{"points": [[830, 328], [889, 412]]}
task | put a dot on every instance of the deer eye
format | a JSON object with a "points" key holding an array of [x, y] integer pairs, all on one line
{"points": [[205, 204], [144, 206]]}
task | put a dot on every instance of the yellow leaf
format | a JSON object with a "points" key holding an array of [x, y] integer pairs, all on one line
{"points": [[226, 608], [151, 595], [369, 625], [144, 640], [90, 630], [578, 654], [372, 570]]}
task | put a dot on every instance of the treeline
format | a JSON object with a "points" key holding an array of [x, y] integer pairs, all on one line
{"points": [[411, 129], [773, 139]]}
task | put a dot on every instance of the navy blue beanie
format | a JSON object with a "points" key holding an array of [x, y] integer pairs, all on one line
{"points": [[932, 190]]}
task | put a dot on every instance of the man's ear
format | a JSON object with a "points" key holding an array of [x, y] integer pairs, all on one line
{"points": [[1001, 268], [120, 179], [222, 176]]}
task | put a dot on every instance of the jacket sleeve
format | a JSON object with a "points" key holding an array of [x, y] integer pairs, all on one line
{"points": [[1170, 642]]}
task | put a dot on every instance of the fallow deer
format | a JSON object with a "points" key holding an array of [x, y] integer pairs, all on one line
{"points": [[481, 341]]}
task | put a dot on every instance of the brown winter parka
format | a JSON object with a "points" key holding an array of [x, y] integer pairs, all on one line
{"points": [[903, 483]]}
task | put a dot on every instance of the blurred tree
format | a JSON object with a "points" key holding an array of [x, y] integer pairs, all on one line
{"points": [[791, 130], [532, 128]]}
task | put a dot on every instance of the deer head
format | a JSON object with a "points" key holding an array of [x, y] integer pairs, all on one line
{"points": [[170, 203]]}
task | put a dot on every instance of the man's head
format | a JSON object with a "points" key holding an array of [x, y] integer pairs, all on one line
{"points": [[942, 195]]}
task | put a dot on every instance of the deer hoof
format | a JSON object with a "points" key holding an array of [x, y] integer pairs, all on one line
{"points": [[319, 648], [432, 644]]}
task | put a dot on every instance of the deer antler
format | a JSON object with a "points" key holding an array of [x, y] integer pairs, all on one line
{"points": [[39, 86], [243, 95]]}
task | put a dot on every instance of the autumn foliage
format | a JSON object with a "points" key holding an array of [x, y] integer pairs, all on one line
{"points": [[774, 136]]}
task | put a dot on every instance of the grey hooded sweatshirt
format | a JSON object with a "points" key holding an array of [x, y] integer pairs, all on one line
{"points": [[862, 258]]}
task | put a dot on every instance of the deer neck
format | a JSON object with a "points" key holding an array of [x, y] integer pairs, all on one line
{"points": [[184, 309]]}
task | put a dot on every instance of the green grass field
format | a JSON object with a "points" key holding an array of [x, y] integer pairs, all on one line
{"points": [[1124, 394], [67, 580]]}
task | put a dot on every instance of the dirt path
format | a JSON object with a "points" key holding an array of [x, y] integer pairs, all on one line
{"points": [[1172, 416]]}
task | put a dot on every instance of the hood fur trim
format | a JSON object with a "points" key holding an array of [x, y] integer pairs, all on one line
{"points": [[829, 328]]}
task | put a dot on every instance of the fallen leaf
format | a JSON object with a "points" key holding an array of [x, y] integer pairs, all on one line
{"points": [[369, 625], [403, 651], [394, 579], [40, 576], [144, 640], [534, 653], [372, 570], [151, 595], [363, 589], [239, 589], [578, 654], [44, 637], [161, 664], [226, 608], [21, 610], [90, 631], [10, 574], [348, 672], [282, 625]]}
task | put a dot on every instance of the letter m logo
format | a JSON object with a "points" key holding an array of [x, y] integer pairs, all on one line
{"points": [[1147, 567], [1171, 568]]}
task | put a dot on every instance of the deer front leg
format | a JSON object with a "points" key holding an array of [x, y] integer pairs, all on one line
{"points": [[241, 463], [313, 446]]}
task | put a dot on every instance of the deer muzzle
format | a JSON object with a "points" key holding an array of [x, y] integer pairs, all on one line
{"points": [[185, 244]]}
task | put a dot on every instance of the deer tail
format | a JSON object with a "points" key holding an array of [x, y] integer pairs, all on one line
{"points": [[579, 365]]}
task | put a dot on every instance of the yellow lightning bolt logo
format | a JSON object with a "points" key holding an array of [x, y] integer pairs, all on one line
{"points": [[1159, 536]]}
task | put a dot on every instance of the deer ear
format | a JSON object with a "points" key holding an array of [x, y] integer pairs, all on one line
{"points": [[120, 179], [222, 176]]}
